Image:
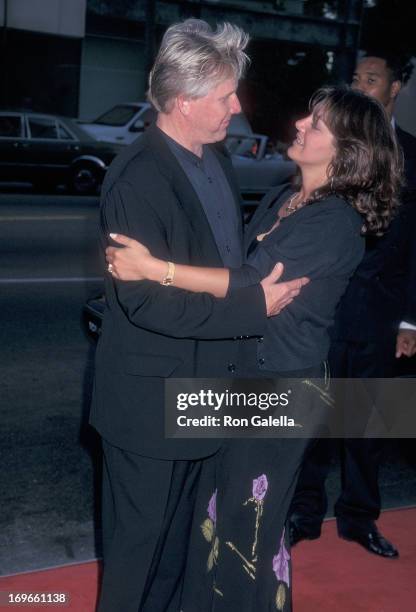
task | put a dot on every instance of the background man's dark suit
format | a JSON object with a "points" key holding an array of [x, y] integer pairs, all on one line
{"points": [[381, 294], [151, 332], [408, 145]]}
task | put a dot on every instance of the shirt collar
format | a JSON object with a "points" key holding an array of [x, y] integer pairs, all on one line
{"points": [[183, 153]]}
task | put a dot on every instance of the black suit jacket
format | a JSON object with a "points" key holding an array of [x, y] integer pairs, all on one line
{"points": [[408, 145], [321, 241], [382, 293], [151, 332]]}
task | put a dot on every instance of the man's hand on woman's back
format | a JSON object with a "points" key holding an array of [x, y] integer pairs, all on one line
{"points": [[279, 295]]}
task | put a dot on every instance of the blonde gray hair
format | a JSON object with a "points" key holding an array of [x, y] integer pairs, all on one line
{"points": [[193, 59]]}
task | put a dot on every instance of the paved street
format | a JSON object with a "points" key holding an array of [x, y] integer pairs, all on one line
{"points": [[48, 237], [48, 268], [49, 457]]}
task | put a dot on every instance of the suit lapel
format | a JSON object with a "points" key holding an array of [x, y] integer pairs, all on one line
{"points": [[407, 143], [186, 196]]}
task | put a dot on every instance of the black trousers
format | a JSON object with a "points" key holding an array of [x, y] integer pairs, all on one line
{"points": [[359, 503], [147, 513]]}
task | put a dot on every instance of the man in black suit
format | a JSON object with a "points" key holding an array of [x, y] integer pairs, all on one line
{"points": [[178, 196], [374, 326]]}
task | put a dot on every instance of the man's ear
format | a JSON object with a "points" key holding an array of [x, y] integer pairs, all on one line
{"points": [[183, 104], [395, 89]]}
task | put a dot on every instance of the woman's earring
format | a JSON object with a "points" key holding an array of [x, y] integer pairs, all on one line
{"points": [[331, 184]]}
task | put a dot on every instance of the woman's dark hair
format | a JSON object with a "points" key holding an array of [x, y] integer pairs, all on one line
{"points": [[368, 163]]}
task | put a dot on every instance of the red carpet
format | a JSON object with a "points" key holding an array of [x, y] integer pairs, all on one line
{"points": [[79, 582], [329, 575]]}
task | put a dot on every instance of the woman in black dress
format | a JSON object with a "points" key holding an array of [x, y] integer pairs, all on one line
{"points": [[350, 175]]}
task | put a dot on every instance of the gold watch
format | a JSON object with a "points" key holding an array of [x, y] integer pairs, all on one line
{"points": [[168, 279]]}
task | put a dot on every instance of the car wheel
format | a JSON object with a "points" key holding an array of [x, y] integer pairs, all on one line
{"points": [[85, 179]]}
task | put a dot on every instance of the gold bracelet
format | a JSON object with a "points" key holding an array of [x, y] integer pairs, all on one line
{"points": [[168, 279]]}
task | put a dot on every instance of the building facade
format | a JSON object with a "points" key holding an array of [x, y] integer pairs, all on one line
{"points": [[79, 57], [41, 54]]}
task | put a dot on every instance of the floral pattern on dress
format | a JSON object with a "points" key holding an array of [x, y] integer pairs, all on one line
{"points": [[281, 561], [208, 528], [260, 486], [212, 507]]}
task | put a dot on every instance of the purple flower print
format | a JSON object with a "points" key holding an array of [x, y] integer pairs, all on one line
{"points": [[260, 486], [281, 563], [212, 507]]}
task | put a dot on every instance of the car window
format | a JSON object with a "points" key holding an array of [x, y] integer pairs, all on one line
{"points": [[119, 115], [242, 145], [42, 127], [11, 126], [148, 117], [63, 132]]}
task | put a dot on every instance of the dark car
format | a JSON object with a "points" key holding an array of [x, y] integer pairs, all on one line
{"points": [[46, 151], [93, 316]]}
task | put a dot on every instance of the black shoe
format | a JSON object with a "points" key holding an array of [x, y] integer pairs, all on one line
{"points": [[372, 540], [298, 532]]}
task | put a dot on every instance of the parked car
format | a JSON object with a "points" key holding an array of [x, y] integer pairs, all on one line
{"points": [[123, 123], [257, 166], [93, 316], [47, 150]]}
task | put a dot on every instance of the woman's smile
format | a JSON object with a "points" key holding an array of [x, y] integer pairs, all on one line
{"points": [[299, 139]]}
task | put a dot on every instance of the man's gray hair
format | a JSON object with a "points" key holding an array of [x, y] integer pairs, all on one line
{"points": [[193, 59]]}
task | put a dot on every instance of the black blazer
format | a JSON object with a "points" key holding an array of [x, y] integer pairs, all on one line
{"points": [[151, 332], [321, 241], [408, 145], [382, 293]]}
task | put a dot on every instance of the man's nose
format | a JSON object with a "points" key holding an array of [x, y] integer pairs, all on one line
{"points": [[358, 86], [235, 105]]}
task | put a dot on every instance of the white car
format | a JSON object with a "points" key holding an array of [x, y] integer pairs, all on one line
{"points": [[124, 122]]}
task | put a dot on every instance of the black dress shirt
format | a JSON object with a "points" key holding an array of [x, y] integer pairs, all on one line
{"points": [[213, 190]]}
